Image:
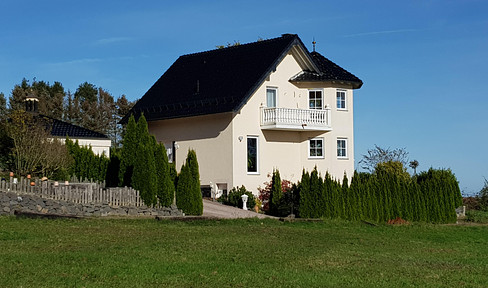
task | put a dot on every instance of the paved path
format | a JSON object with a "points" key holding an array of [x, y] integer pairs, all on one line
{"points": [[218, 210]]}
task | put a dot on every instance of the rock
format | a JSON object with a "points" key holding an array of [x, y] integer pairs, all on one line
{"points": [[6, 209]]}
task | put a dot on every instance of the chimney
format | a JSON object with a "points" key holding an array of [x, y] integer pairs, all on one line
{"points": [[31, 104]]}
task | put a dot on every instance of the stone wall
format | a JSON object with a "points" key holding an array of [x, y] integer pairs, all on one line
{"points": [[11, 202]]}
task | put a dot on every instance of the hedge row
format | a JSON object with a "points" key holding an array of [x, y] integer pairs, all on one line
{"points": [[86, 164], [431, 196]]}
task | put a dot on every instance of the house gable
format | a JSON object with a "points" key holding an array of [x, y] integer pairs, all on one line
{"points": [[218, 81]]}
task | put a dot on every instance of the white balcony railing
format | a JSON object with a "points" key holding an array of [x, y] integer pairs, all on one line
{"points": [[295, 119]]}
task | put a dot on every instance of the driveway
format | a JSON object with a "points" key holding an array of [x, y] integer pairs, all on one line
{"points": [[219, 210]]}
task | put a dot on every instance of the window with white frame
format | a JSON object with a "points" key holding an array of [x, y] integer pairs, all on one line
{"points": [[271, 96], [316, 148], [315, 99], [341, 148], [252, 155], [341, 99]]}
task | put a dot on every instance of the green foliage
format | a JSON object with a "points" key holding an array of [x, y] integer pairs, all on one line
{"points": [[279, 197], [431, 196], [128, 152], [86, 164], [144, 177], [483, 197], [188, 193], [234, 198], [477, 216], [165, 187], [276, 193], [113, 167]]}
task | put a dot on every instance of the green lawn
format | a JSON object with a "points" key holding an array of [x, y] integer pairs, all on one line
{"points": [[239, 253]]}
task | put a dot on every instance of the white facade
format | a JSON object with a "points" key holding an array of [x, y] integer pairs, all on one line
{"points": [[289, 136], [98, 146]]}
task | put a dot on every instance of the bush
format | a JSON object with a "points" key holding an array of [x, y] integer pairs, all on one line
{"points": [[476, 216], [234, 198], [483, 197], [188, 193], [284, 198]]}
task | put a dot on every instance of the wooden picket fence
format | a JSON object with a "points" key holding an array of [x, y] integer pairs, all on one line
{"points": [[82, 192]]}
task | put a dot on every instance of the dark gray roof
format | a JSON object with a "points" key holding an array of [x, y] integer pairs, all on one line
{"points": [[329, 71], [217, 81], [62, 129]]}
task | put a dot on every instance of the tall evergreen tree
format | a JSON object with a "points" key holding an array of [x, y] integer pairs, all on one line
{"points": [[188, 193], [276, 193], [166, 187], [144, 177], [128, 153]]}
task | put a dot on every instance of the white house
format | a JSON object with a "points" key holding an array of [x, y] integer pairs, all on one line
{"points": [[252, 108], [99, 142]]}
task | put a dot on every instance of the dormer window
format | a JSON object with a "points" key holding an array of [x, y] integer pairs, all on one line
{"points": [[315, 99]]}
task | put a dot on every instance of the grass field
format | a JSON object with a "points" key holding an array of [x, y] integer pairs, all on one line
{"points": [[239, 253]]}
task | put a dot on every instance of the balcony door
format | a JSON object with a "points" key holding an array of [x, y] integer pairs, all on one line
{"points": [[271, 97]]}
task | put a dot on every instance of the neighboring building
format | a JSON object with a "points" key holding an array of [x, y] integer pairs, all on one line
{"points": [[252, 108], [99, 142]]}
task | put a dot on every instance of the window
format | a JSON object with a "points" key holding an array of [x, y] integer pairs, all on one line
{"points": [[341, 99], [271, 95], [315, 99], [341, 148], [252, 155], [170, 151], [316, 148]]}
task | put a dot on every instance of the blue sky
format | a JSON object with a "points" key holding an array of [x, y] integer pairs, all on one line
{"points": [[423, 63]]}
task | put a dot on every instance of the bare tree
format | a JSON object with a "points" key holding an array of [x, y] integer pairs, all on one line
{"points": [[414, 164], [34, 150], [381, 155]]}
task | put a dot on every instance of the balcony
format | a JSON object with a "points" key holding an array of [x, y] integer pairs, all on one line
{"points": [[295, 119]]}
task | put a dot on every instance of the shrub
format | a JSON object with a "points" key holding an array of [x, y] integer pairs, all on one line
{"points": [[483, 197], [188, 193], [476, 216], [281, 207], [144, 177], [165, 188], [234, 198], [86, 165]]}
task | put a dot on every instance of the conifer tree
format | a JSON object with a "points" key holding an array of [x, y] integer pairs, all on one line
{"points": [[128, 153], [304, 187], [165, 191], [144, 175], [276, 193], [188, 192]]}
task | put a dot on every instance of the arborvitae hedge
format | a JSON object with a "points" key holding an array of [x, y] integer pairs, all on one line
{"points": [[430, 196], [86, 164]]}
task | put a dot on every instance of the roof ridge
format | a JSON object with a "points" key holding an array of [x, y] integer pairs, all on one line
{"points": [[260, 42]]}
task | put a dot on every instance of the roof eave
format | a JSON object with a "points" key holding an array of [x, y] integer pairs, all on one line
{"points": [[352, 84]]}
